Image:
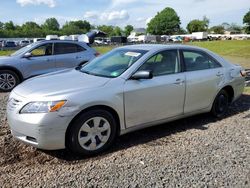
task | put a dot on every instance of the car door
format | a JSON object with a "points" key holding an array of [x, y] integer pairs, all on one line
{"points": [[204, 75], [158, 98], [69, 55], [40, 62]]}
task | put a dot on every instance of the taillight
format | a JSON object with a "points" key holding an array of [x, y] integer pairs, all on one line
{"points": [[97, 54], [243, 73]]}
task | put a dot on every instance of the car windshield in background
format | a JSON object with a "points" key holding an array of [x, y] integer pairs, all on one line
{"points": [[114, 63], [22, 50]]}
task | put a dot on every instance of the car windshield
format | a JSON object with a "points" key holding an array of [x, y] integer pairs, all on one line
{"points": [[22, 50], [114, 63]]}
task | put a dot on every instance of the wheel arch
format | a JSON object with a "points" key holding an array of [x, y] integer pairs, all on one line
{"points": [[230, 91], [95, 107], [19, 74]]}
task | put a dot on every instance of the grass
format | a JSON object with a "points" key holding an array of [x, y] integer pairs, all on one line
{"points": [[6, 52], [247, 90], [104, 49], [236, 48]]}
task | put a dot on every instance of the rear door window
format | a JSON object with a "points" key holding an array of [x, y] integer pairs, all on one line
{"points": [[67, 48], [195, 60]]}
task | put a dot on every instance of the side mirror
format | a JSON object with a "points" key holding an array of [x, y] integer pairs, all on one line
{"points": [[27, 55], [142, 75], [81, 65]]}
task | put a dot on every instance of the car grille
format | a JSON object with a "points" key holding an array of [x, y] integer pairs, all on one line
{"points": [[13, 104]]}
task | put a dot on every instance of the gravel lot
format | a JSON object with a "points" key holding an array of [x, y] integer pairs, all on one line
{"points": [[194, 152]]}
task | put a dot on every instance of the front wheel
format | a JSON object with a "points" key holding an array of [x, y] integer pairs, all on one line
{"points": [[8, 80], [221, 104], [91, 133]]}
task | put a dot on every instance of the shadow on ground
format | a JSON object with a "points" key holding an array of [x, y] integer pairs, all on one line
{"points": [[149, 134]]}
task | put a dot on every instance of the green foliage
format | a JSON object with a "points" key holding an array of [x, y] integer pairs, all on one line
{"points": [[219, 29], [235, 27], [50, 27], [182, 31], [106, 29], [76, 27], [30, 29], [117, 31], [165, 22], [197, 26], [1, 25], [128, 29], [9, 26], [246, 20], [51, 24]]}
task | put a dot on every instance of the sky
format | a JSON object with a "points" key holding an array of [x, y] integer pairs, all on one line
{"points": [[121, 12]]}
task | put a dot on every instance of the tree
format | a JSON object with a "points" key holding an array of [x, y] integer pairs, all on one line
{"points": [[9, 26], [219, 29], [128, 29], [206, 22], [84, 26], [196, 26], [1, 25], [31, 29], [51, 24], [106, 29], [235, 27], [76, 27], [165, 22], [182, 31], [70, 29], [117, 31], [246, 20], [225, 25]]}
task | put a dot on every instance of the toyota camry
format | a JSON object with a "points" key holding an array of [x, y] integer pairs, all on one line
{"points": [[127, 89]]}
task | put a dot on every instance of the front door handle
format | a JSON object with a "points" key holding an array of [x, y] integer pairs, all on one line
{"points": [[179, 81]]}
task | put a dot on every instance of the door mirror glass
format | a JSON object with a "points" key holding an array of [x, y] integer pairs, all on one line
{"points": [[27, 55], [142, 75]]}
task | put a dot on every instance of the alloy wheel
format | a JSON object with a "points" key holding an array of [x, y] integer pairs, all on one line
{"points": [[7, 81]]}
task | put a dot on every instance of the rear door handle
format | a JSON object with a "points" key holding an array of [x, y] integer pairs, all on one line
{"points": [[219, 74], [179, 82]]}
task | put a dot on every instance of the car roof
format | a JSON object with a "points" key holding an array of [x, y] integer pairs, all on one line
{"points": [[156, 47], [60, 41]]}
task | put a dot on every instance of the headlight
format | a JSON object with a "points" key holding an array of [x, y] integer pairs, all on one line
{"points": [[42, 107]]}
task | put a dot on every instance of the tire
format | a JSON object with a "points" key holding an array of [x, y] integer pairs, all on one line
{"points": [[91, 133], [220, 105], [8, 80]]}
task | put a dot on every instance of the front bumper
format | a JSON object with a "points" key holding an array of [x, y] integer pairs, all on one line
{"points": [[43, 130]]}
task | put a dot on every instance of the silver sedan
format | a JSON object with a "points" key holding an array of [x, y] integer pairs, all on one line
{"points": [[129, 88]]}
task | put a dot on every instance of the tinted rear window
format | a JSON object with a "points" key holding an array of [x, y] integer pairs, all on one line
{"points": [[67, 48]]}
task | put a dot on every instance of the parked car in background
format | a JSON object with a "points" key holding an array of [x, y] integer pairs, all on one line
{"points": [[1, 42], [38, 39], [23, 43], [40, 58], [129, 88], [9, 44]]}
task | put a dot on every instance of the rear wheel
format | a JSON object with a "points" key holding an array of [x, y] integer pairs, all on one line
{"points": [[91, 133], [8, 80], [220, 105]]}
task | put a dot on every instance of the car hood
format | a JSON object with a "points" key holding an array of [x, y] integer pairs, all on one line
{"points": [[59, 83], [6, 60]]}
